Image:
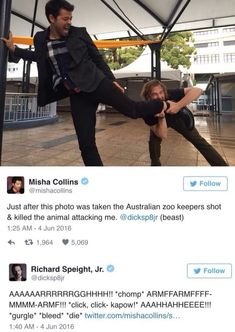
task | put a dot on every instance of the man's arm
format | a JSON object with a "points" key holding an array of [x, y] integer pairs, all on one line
{"points": [[190, 95], [16, 53], [160, 129], [9, 42]]}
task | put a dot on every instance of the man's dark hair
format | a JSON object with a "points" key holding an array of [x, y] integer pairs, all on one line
{"points": [[16, 178], [53, 7]]}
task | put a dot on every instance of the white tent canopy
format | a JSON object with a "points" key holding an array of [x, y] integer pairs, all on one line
{"points": [[14, 72], [149, 16], [141, 67]]}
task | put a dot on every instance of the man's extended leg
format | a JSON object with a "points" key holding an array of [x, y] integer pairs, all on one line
{"points": [[154, 149], [107, 93], [193, 136], [84, 119]]}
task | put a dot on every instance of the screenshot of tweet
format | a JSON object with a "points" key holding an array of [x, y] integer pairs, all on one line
{"points": [[117, 249]]}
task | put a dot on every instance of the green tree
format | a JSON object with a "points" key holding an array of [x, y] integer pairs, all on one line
{"points": [[128, 54], [176, 49], [120, 57]]}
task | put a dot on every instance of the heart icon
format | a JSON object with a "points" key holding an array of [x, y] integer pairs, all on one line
{"points": [[65, 241]]}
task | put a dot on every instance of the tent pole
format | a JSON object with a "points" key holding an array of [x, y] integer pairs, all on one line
{"points": [[27, 64], [5, 16], [155, 61]]}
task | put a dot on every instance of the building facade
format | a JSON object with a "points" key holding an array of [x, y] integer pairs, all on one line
{"points": [[215, 53]]}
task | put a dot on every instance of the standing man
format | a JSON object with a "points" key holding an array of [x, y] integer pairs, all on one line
{"points": [[155, 90], [69, 64]]}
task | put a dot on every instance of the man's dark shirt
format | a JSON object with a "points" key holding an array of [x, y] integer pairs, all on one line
{"points": [[59, 59], [174, 95], [11, 191], [14, 279]]}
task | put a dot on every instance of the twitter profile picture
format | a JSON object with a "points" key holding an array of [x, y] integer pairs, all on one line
{"points": [[15, 185], [17, 272]]}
